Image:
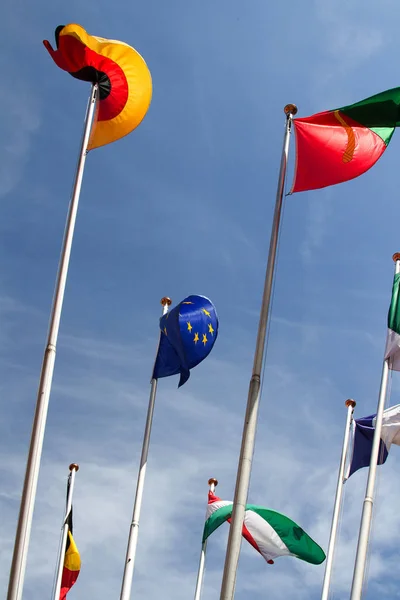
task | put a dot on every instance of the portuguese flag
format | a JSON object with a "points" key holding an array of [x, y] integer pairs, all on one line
{"points": [[338, 145], [269, 532], [72, 563]]}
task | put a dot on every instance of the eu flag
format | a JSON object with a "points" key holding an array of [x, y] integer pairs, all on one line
{"points": [[188, 333]]}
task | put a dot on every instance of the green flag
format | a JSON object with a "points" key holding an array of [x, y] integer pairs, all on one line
{"points": [[393, 339], [269, 532]]}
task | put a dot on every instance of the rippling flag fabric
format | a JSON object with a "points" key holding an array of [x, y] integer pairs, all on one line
{"points": [[269, 532], [124, 80], [392, 352], [339, 145], [188, 334], [363, 432], [72, 562]]}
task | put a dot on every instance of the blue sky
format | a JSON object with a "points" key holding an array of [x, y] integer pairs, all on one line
{"points": [[184, 206]]}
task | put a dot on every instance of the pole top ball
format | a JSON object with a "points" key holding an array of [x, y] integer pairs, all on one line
{"points": [[350, 402], [290, 109], [74, 467], [166, 301]]}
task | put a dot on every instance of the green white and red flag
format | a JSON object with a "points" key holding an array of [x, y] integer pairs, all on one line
{"points": [[269, 532], [393, 337], [341, 144]]}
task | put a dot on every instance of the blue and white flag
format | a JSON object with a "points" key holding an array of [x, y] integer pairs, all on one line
{"points": [[363, 435]]}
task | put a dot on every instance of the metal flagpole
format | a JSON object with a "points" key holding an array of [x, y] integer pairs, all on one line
{"points": [[250, 423], [60, 567], [200, 574], [18, 566], [134, 528], [366, 517], [350, 404]]}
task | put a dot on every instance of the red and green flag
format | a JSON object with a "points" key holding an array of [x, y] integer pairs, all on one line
{"points": [[341, 144]]}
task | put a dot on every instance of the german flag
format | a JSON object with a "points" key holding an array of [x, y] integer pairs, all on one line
{"points": [[122, 76], [72, 563]]}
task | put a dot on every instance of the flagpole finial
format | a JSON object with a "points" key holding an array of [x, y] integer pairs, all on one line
{"points": [[350, 402], [74, 467], [166, 301], [290, 109], [214, 481], [396, 256]]}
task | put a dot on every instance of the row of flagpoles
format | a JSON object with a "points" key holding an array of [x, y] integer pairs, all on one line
{"points": [[326, 145], [356, 453], [66, 576]]}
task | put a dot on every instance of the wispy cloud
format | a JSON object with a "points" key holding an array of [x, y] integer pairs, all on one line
{"points": [[319, 211], [350, 39], [289, 480], [19, 103]]}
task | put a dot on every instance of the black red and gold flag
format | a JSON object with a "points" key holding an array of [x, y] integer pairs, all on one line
{"points": [[123, 78], [72, 562]]}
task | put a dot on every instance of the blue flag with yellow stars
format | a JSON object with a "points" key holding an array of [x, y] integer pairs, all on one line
{"points": [[188, 333]]}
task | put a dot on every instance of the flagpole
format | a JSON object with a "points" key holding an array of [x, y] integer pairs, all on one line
{"points": [[18, 566], [366, 517], [350, 404], [253, 400], [134, 528], [65, 528], [202, 563]]}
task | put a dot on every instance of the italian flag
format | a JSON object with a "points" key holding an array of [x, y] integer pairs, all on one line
{"points": [[269, 532], [341, 144], [393, 338]]}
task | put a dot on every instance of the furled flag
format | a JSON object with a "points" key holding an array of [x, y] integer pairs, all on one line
{"points": [[393, 338], [72, 562], [188, 333], [341, 144], [122, 75], [269, 532], [363, 435]]}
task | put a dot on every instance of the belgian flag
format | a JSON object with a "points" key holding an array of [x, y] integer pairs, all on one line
{"points": [[72, 562]]}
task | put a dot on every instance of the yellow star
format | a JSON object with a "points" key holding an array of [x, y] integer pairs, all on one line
{"points": [[196, 338], [165, 331], [210, 329], [206, 312], [204, 340], [186, 302], [189, 326]]}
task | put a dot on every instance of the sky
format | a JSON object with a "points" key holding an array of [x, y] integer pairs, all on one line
{"points": [[184, 206]]}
